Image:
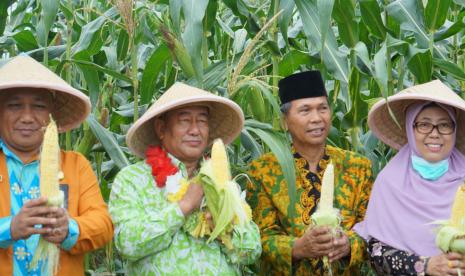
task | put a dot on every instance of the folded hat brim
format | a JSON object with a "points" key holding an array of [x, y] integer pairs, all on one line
{"points": [[71, 106], [225, 117]]}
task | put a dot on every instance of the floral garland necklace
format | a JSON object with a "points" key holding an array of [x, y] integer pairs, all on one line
{"points": [[166, 174], [169, 176]]}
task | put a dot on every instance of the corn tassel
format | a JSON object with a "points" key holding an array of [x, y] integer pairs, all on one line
{"points": [[49, 169]]}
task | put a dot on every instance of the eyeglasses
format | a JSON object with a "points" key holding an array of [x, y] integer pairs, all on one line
{"points": [[427, 128]]}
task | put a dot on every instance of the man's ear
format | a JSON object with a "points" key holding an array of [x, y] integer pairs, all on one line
{"points": [[159, 125]]}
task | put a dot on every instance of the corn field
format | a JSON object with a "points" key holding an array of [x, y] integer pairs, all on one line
{"points": [[125, 53]]}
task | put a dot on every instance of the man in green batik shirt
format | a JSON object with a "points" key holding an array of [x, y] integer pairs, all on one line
{"points": [[151, 229], [294, 245]]}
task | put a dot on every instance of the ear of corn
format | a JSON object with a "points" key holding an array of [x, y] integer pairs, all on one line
{"points": [[49, 163], [222, 195], [327, 188], [49, 169], [457, 218], [451, 235], [220, 165], [326, 214]]}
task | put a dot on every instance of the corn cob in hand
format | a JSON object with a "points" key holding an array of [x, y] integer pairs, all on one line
{"points": [[222, 195], [49, 169], [451, 235], [326, 214]]}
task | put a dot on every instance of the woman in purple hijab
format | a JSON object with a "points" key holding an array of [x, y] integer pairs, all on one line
{"points": [[417, 187]]}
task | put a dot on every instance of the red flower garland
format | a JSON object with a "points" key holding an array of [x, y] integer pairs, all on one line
{"points": [[161, 165]]}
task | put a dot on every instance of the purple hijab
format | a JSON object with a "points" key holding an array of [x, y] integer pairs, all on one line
{"points": [[403, 205]]}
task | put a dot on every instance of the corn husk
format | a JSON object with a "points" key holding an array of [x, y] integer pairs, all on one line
{"points": [[451, 234], [326, 214], [222, 195]]}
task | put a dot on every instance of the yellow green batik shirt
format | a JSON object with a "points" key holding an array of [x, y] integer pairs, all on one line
{"points": [[268, 197]]}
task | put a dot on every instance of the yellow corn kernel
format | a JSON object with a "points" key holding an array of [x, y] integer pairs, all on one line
{"points": [[457, 218], [49, 168], [220, 164], [49, 162]]}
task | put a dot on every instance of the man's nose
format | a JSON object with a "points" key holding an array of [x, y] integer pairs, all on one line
{"points": [[27, 114], [194, 128], [315, 117]]}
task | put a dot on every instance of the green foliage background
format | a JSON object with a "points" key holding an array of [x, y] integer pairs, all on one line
{"points": [[125, 53]]}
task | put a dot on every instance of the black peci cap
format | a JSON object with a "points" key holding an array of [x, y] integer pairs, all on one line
{"points": [[301, 85]]}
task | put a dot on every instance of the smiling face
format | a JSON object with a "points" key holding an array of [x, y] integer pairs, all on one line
{"points": [[184, 132], [433, 147], [309, 121], [23, 114]]}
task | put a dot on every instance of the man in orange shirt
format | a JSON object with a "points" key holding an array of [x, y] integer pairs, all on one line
{"points": [[29, 93]]}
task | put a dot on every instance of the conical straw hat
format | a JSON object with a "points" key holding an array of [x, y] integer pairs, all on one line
{"points": [[385, 128], [225, 121], [71, 105]]}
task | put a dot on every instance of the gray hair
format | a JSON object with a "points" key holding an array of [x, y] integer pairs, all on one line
{"points": [[285, 108]]}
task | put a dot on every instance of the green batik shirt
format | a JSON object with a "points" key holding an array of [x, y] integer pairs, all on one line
{"points": [[149, 232], [268, 197]]}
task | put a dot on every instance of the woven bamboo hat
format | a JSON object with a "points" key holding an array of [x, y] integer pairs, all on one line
{"points": [[71, 106], [225, 122], [385, 128]]}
